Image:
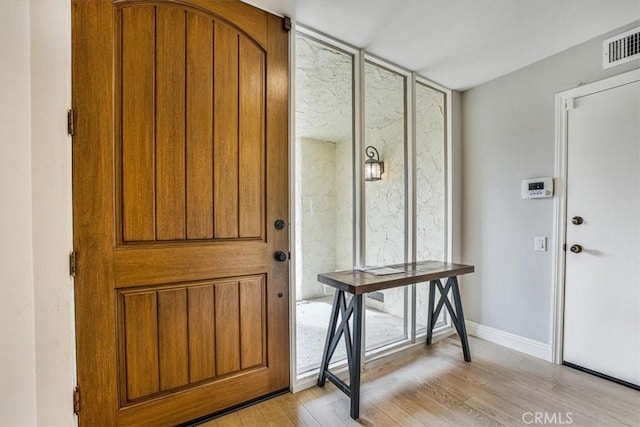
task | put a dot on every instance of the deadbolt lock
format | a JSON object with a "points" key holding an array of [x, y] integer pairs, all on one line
{"points": [[577, 220], [281, 256]]}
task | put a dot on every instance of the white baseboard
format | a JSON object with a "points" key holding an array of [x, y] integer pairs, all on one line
{"points": [[512, 341]]}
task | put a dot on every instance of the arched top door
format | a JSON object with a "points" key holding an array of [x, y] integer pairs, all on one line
{"points": [[178, 178]]}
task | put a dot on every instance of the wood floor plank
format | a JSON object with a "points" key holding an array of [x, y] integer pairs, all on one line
{"points": [[297, 413], [435, 387], [252, 417], [275, 415], [230, 420], [394, 406]]}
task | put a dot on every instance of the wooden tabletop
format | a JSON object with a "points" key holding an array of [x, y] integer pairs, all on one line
{"points": [[360, 282]]}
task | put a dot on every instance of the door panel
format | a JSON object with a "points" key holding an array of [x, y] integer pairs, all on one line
{"points": [[137, 103], [251, 139], [181, 309], [156, 67], [602, 290], [224, 332]]}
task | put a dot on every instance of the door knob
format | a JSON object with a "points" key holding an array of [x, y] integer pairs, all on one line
{"points": [[577, 220], [576, 249], [280, 256]]}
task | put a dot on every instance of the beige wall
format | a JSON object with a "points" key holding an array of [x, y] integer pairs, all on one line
{"points": [[37, 310], [17, 327], [51, 191]]}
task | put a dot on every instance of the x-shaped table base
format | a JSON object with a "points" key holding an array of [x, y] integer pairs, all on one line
{"points": [[339, 327]]}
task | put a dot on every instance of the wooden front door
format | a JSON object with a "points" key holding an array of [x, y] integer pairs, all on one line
{"points": [[179, 175]]}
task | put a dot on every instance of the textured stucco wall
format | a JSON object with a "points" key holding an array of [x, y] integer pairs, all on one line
{"points": [[385, 199], [430, 174]]}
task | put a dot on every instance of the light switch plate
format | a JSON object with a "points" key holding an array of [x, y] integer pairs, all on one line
{"points": [[540, 244]]}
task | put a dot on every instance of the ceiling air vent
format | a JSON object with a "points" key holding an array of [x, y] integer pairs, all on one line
{"points": [[621, 48]]}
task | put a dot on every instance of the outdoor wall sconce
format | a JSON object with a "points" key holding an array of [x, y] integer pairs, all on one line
{"points": [[373, 167]]}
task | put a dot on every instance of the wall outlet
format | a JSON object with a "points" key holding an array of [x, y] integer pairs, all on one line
{"points": [[540, 244]]}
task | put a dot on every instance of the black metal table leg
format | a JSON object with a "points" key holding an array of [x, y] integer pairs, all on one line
{"points": [[353, 344], [430, 319], [354, 369], [457, 316], [462, 330], [333, 323]]}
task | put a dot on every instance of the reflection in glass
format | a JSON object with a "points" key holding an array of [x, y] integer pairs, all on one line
{"points": [[323, 192], [430, 187], [385, 201]]}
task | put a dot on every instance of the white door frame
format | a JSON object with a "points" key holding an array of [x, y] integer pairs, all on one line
{"points": [[564, 102]]}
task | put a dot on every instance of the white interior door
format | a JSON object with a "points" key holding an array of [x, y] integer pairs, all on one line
{"points": [[602, 287]]}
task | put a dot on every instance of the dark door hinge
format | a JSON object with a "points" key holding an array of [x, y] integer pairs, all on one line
{"points": [[70, 122], [286, 23], [76, 400], [72, 264]]}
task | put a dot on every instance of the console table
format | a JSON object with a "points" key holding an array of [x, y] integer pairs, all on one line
{"points": [[360, 282]]}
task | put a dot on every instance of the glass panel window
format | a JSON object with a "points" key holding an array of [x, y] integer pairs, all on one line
{"points": [[397, 213], [430, 176], [385, 199], [324, 188]]}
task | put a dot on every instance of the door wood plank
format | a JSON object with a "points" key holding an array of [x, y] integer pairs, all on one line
{"points": [[201, 333], [199, 127], [170, 124], [227, 321], [138, 159], [225, 151], [141, 344], [251, 96], [252, 322], [172, 338], [154, 266]]}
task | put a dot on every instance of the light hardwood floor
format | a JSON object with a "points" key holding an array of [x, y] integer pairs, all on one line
{"points": [[435, 387]]}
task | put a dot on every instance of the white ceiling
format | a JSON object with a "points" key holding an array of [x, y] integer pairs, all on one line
{"points": [[460, 43]]}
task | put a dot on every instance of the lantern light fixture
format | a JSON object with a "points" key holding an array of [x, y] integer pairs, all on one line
{"points": [[373, 167]]}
